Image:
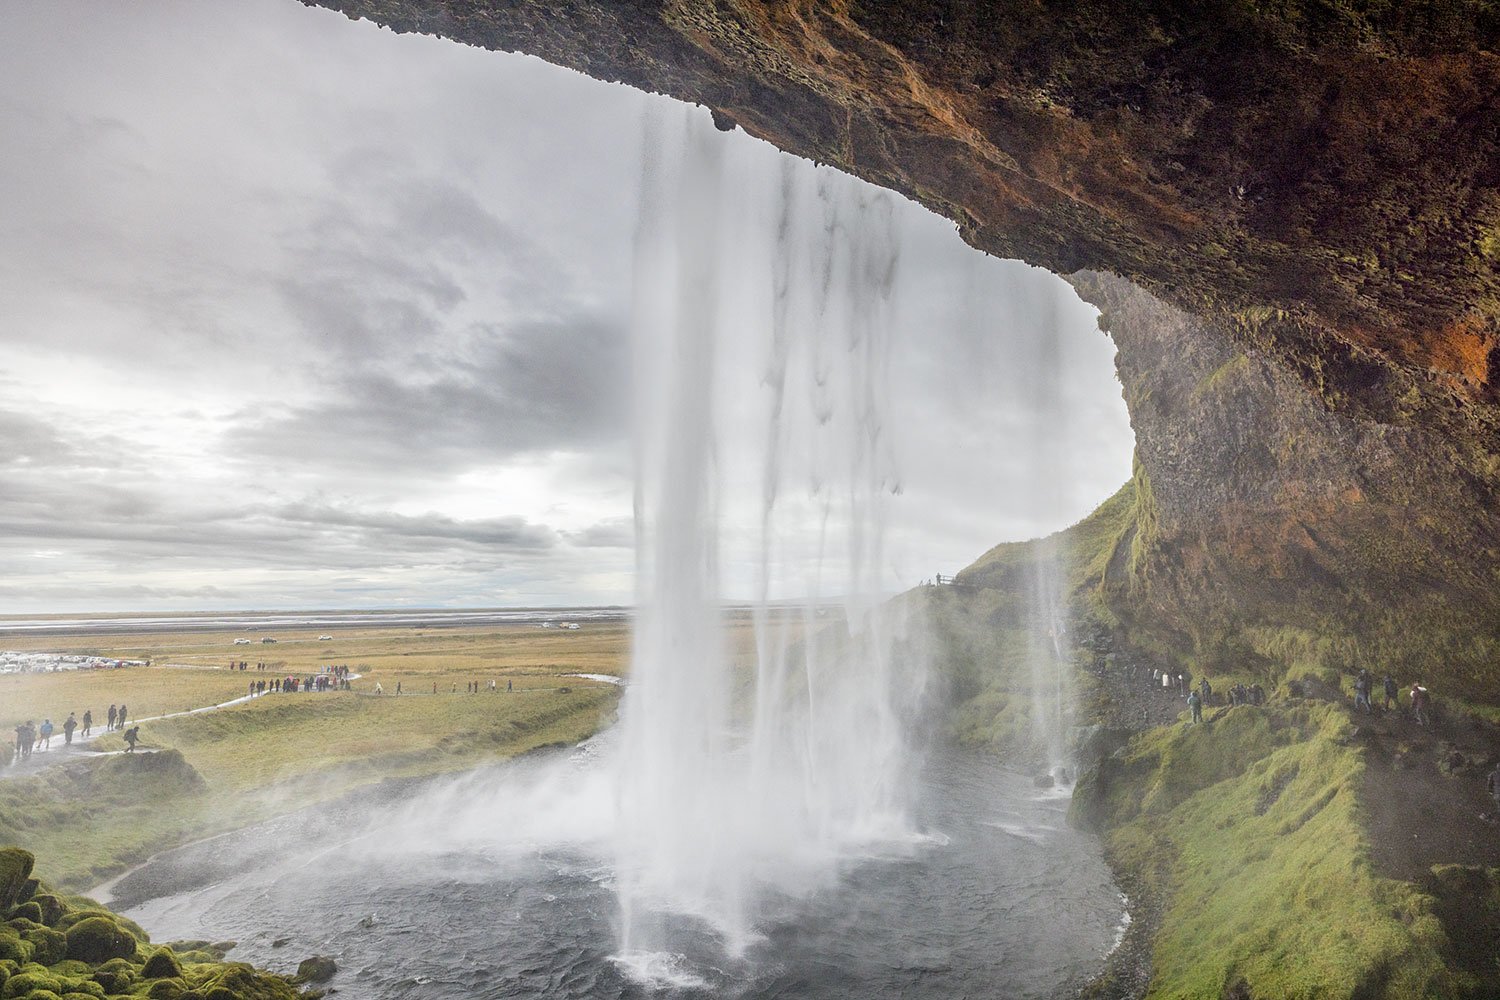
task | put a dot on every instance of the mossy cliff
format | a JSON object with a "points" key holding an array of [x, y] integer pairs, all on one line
{"points": [[69, 948]]}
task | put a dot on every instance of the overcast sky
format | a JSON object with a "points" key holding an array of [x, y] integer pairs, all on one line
{"points": [[300, 313]]}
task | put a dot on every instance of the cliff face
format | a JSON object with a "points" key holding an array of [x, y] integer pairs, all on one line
{"points": [[1301, 201], [1273, 532]]}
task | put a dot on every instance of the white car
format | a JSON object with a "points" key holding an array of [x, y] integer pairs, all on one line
{"points": [[242, 642], [325, 638]]}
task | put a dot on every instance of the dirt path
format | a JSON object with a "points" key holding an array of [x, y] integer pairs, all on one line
{"points": [[1425, 795], [61, 752]]}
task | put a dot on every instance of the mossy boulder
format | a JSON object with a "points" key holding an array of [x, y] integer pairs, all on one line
{"points": [[99, 939], [317, 969], [167, 989], [112, 981], [13, 947], [82, 987], [28, 984], [77, 916], [15, 876], [239, 981], [48, 946], [162, 964], [51, 907], [28, 911]]}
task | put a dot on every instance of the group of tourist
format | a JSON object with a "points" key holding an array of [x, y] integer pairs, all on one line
{"points": [[331, 678], [1174, 682], [472, 687], [31, 738], [1419, 702], [1254, 694]]}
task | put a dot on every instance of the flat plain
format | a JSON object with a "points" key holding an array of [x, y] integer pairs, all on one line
{"points": [[95, 811]]}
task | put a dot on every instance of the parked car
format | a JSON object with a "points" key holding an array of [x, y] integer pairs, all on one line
{"points": [[325, 638], [242, 642], [268, 639]]}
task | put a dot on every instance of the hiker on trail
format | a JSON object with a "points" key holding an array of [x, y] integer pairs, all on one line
{"points": [[68, 727], [21, 741], [1419, 703], [28, 738], [46, 734], [132, 735], [1390, 692], [398, 686], [381, 690], [88, 721], [434, 687], [112, 716], [507, 687], [122, 715], [1257, 694], [1362, 691], [1196, 704], [1205, 690]]}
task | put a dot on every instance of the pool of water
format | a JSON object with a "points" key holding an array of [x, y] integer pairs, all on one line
{"points": [[499, 884]]}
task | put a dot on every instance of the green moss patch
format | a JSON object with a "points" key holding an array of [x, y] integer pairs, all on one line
{"points": [[1250, 830], [93, 954]]}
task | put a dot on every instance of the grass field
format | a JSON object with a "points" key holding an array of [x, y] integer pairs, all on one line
{"points": [[93, 817]]}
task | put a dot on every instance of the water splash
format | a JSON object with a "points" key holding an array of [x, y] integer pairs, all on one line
{"points": [[764, 304]]}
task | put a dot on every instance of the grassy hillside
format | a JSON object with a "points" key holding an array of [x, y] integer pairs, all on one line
{"points": [[1246, 838], [92, 814]]}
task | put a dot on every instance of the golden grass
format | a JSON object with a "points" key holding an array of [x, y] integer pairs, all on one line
{"points": [[190, 670], [285, 751]]}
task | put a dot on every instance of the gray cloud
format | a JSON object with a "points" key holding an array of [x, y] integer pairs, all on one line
{"points": [[615, 533], [255, 326], [539, 387], [510, 533]]}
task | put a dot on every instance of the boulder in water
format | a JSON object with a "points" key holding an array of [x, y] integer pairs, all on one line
{"points": [[318, 969], [1044, 781]]}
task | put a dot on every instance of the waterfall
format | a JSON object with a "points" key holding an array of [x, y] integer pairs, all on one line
{"points": [[762, 323], [1048, 655]]}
